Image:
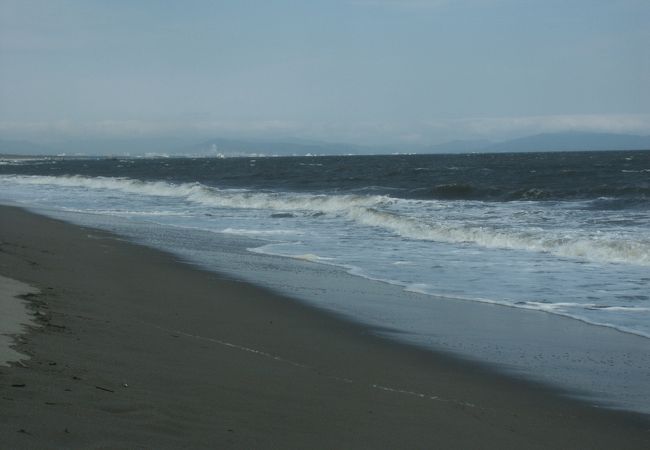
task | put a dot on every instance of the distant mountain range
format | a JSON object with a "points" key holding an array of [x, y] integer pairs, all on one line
{"points": [[182, 147], [459, 146], [572, 142], [220, 147], [290, 147]]}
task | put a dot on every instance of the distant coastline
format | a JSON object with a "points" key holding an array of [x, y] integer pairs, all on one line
{"points": [[176, 147]]}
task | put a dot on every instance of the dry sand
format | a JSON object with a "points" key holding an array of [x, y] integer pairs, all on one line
{"points": [[137, 350]]}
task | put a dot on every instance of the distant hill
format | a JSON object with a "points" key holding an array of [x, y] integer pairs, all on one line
{"points": [[460, 146], [135, 146], [234, 147], [572, 141], [221, 147], [182, 147], [548, 142]]}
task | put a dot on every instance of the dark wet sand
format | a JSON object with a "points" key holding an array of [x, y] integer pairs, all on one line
{"points": [[137, 350]]}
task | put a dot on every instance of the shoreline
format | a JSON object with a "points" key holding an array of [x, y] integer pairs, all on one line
{"points": [[138, 349], [575, 358], [15, 318]]}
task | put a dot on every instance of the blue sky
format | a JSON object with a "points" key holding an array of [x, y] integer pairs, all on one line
{"points": [[366, 71]]}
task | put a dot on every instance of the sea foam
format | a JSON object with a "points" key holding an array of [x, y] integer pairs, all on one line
{"points": [[380, 211]]}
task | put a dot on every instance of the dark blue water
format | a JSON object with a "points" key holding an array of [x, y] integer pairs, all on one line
{"points": [[623, 176]]}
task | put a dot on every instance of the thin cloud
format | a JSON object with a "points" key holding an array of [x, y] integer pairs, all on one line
{"points": [[402, 3], [607, 123], [371, 132], [419, 4], [146, 128]]}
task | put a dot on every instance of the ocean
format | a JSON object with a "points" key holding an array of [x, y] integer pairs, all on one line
{"points": [[564, 235]]}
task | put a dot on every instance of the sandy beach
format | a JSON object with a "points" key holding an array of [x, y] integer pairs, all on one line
{"points": [[15, 317], [137, 350]]}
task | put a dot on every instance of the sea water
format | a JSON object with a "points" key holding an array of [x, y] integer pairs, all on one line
{"points": [[560, 233]]}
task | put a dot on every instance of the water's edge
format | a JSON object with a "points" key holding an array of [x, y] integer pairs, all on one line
{"points": [[598, 365]]}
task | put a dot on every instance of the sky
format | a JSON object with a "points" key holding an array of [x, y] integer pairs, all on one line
{"points": [[361, 71]]}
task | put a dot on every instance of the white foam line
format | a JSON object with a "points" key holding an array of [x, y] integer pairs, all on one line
{"points": [[273, 357], [424, 396], [233, 346], [402, 391], [419, 288]]}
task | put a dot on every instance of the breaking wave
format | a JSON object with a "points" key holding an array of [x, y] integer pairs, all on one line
{"points": [[372, 210], [590, 248], [210, 196]]}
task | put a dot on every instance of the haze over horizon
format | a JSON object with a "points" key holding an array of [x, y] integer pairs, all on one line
{"points": [[365, 72]]}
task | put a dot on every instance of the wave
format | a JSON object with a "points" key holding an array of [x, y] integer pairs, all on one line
{"points": [[567, 309], [370, 210], [469, 191], [584, 248], [454, 191], [208, 195], [127, 212]]}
